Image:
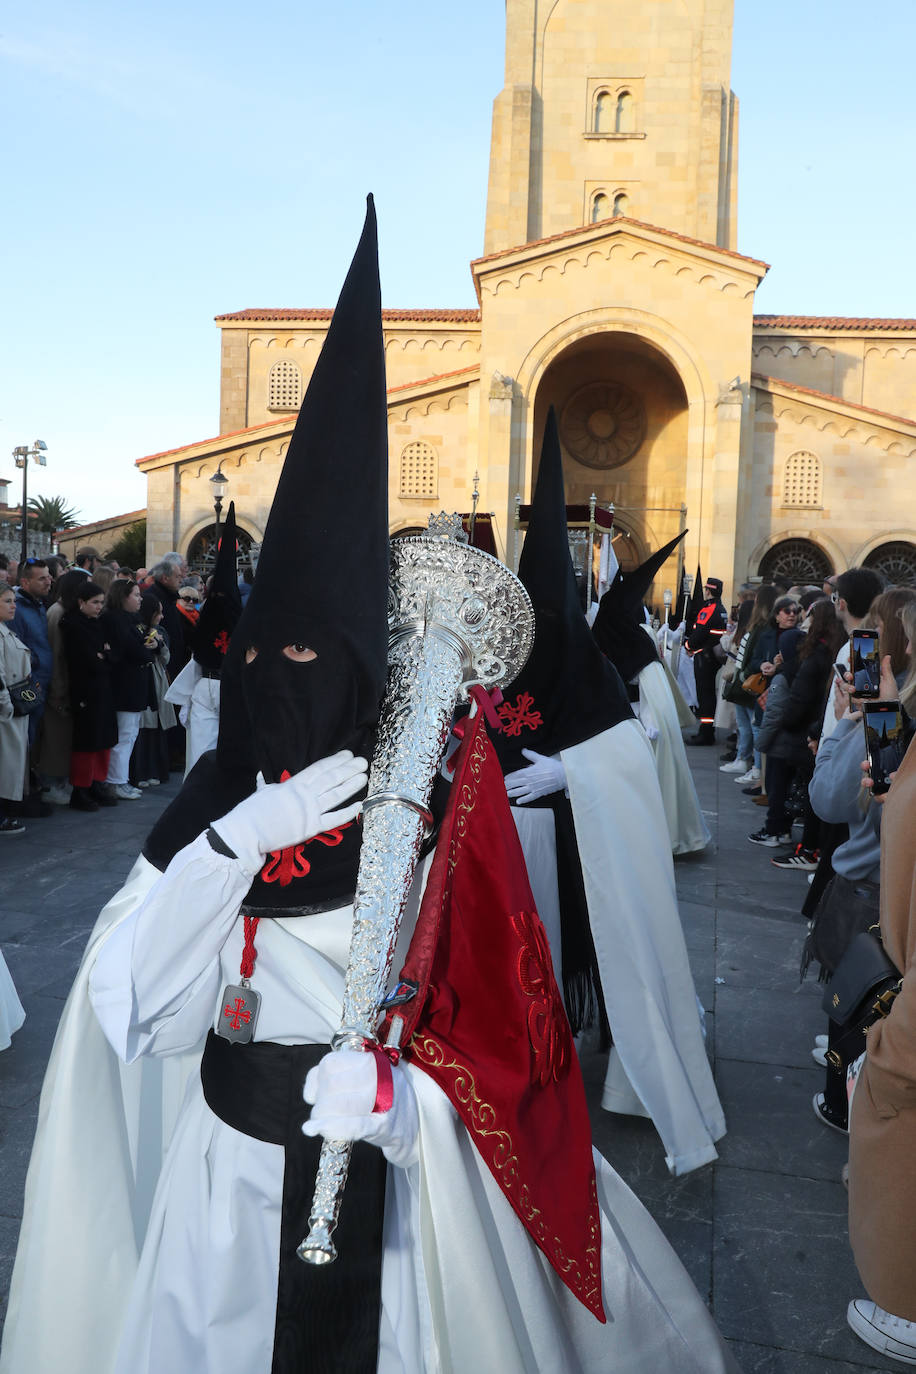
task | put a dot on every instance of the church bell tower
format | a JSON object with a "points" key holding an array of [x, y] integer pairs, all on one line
{"points": [[614, 108]]}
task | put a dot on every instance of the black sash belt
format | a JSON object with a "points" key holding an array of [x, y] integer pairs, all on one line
{"points": [[328, 1315]]}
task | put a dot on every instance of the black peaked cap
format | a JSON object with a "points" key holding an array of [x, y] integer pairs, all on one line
{"points": [[695, 604], [220, 613], [324, 556], [618, 624], [575, 693]]}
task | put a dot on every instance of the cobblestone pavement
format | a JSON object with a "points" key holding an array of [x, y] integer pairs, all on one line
{"points": [[762, 1232]]}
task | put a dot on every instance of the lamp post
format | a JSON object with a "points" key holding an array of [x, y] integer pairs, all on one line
{"points": [[475, 497], [219, 482], [21, 456]]}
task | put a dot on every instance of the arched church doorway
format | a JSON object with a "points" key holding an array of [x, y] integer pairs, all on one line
{"points": [[799, 561], [896, 561], [201, 554], [622, 417]]}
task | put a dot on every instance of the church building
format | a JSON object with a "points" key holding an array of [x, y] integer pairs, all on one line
{"points": [[610, 286]]}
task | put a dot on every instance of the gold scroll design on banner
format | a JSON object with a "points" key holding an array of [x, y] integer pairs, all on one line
{"points": [[495, 1146], [467, 799]]}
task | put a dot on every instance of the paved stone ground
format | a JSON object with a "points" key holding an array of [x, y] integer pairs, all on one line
{"points": [[762, 1232]]}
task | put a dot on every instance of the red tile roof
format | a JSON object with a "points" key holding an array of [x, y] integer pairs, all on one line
{"points": [[232, 434], [826, 396], [439, 377], [74, 530], [619, 219], [839, 322], [291, 417], [388, 316]]}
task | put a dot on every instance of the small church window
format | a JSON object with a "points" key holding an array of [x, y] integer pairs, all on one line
{"points": [[802, 480], [284, 386], [601, 207], [603, 108], [621, 203], [419, 470], [625, 114]]}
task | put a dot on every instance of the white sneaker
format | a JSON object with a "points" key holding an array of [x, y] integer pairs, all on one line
{"points": [[124, 792], [891, 1335], [59, 794], [819, 1056], [822, 1041], [736, 766], [752, 775]]}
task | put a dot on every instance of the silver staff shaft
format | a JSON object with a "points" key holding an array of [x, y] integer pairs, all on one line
{"points": [[457, 616], [394, 823]]}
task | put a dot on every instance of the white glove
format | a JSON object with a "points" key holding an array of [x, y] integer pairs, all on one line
{"points": [[280, 814], [647, 721], [545, 775], [342, 1089]]}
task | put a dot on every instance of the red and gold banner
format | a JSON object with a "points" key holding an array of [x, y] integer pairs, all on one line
{"points": [[489, 1026]]}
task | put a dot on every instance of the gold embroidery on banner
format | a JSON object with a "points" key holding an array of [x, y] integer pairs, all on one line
{"points": [[504, 1163]]}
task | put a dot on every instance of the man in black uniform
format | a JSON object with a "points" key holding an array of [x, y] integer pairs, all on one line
{"points": [[701, 645]]}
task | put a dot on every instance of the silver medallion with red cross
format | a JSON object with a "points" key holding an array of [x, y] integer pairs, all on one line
{"points": [[238, 1014]]}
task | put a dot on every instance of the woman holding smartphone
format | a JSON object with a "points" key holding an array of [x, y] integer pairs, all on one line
{"points": [[882, 1155]]}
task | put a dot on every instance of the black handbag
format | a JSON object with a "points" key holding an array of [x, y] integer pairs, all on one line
{"points": [[861, 992], [845, 909], [26, 696]]}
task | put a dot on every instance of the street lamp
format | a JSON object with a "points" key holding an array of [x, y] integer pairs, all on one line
{"points": [[219, 482], [21, 455]]}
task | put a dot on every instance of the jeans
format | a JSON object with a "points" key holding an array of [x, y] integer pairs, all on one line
{"points": [[744, 717]]}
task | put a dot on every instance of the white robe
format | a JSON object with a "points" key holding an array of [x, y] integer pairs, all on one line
{"points": [[104, 1284], [658, 1065], [686, 826], [11, 1012], [198, 699]]}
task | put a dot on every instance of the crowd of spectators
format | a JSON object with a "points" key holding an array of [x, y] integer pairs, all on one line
{"points": [[87, 653], [800, 752]]}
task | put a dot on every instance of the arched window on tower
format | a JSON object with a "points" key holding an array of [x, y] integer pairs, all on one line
{"points": [[284, 386], [621, 203], [625, 114], [601, 122], [601, 207], [802, 480]]}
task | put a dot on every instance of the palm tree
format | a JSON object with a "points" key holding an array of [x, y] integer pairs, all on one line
{"points": [[51, 513]]}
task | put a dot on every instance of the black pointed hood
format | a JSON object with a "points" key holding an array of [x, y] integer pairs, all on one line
{"points": [[307, 663], [695, 604], [220, 612], [322, 579], [568, 691], [618, 624], [676, 614]]}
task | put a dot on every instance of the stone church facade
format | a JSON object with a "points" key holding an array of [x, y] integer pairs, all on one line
{"points": [[610, 287]]}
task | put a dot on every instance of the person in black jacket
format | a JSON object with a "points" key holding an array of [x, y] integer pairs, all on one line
{"points": [[95, 723], [702, 643], [133, 652], [786, 745]]}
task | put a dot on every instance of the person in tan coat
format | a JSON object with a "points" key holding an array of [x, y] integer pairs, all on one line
{"points": [[882, 1155]]}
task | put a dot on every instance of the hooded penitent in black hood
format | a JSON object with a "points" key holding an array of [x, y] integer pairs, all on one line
{"points": [[220, 613], [307, 662], [568, 691], [618, 624]]}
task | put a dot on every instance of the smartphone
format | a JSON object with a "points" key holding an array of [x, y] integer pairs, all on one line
{"points": [[840, 673], [883, 722], [865, 663]]}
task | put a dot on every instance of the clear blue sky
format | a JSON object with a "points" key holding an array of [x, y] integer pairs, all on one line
{"points": [[168, 162]]}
